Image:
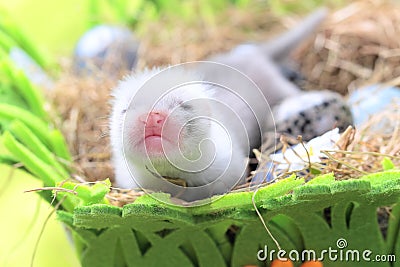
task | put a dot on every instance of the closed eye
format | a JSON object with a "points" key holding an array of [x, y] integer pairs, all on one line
{"points": [[186, 107], [180, 104]]}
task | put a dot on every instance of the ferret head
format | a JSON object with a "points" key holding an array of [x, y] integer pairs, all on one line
{"points": [[161, 116]]}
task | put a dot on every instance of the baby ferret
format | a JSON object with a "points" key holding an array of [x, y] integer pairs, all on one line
{"points": [[197, 122]]}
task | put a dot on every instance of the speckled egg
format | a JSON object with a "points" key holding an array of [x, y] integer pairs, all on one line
{"points": [[311, 114]]}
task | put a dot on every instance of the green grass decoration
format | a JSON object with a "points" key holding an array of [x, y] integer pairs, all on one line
{"points": [[24, 87], [85, 195], [29, 139], [27, 135], [387, 164]]}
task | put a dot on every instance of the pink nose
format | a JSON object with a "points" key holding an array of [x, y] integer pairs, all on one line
{"points": [[153, 119]]}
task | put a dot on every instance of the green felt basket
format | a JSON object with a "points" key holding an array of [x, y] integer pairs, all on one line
{"points": [[228, 232]]}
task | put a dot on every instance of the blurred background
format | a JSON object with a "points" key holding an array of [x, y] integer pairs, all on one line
{"points": [[56, 27]]}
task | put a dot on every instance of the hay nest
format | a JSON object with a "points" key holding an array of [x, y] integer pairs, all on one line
{"points": [[357, 45]]}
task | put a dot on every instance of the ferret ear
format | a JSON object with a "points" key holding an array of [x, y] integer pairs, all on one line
{"points": [[128, 87]]}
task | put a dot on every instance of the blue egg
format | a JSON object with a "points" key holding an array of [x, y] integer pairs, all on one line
{"points": [[108, 48], [370, 100]]}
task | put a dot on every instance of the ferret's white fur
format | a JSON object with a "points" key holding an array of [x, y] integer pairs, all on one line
{"points": [[220, 152]]}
